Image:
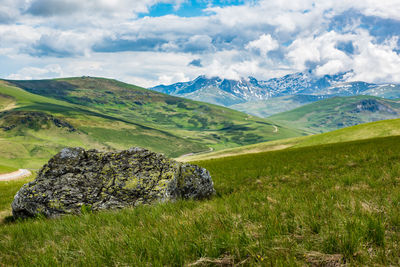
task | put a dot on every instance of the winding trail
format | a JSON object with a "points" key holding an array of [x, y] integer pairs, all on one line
{"points": [[21, 173], [276, 129], [197, 153]]}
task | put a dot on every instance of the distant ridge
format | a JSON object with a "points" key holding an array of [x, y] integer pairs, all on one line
{"points": [[228, 92]]}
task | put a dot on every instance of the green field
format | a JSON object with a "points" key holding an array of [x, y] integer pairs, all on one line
{"points": [[39, 118], [339, 112], [318, 206]]}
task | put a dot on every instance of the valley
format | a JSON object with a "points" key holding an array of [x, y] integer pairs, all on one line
{"points": [[48, 115]]}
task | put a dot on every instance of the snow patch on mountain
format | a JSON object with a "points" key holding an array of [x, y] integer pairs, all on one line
{"points": [[250, 89]]}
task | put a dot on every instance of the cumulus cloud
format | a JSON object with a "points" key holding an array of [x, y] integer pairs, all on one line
{"points": [[263, 45], [120, 8], [28, 73], [198, 43], [264, 38]]}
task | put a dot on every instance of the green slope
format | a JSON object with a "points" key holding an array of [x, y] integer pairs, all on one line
{"points": [[38, 127], [266, 108], [339, 112], [329, 205], [39, 118], [384, 128], [213, 95]]}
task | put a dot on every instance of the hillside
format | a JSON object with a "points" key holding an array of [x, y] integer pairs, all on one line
{"points": [[339, 112], [39, 118], [269, 107], [320, 206], [379, 129]]}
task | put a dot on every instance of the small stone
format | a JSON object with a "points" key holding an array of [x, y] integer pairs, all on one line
{"points": [[76, 180], [69, 153]]}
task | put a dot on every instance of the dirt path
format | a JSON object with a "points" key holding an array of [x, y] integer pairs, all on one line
{"points": [[21, 173], [276, 129], [8, 107], [192, 154]]}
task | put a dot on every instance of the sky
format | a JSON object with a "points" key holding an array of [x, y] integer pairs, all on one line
{"points": [[151, 42]]}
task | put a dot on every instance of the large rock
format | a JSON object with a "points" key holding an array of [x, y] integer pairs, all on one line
{"points": [[75, 180]]}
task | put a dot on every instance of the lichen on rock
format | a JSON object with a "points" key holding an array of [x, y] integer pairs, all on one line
{"points": [[75, 179]]}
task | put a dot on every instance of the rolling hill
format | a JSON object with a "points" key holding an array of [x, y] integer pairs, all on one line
{"points": [[269, 107], [339, 112], [38, 118], [378, 129]]}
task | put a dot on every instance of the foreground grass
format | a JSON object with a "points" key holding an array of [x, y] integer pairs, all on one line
{"points": [[7, 192], [315, 205]]}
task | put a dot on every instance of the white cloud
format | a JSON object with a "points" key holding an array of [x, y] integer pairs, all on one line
{"points": [[322, 50], [29, 73], [264, 44], [376, 62], [122, 9], [261, 39]]}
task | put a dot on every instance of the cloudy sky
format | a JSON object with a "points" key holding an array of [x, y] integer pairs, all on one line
{"points": [[149, 42]]}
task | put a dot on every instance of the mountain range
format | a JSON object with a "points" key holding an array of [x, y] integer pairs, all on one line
{"points": [[245, 92]]}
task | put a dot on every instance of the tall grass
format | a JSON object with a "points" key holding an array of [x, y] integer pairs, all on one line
{"points": [[321, 205]]}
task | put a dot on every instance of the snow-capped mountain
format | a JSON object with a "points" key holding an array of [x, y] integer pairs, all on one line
{"points": [[218, 91], [230, 92]]}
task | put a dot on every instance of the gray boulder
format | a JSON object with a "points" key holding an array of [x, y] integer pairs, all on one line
{"points": [[76, 180]]}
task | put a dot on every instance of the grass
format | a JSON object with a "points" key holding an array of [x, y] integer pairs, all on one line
{"points": [[7, 192], [6, 169], [320, 205]]}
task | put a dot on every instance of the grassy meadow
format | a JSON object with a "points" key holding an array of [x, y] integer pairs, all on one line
{"points": [[321, 205]]}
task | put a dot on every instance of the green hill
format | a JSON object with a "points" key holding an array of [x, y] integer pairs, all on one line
{"points": [[328, 205], [38, 118], [269, 107], [339, 112], [384, 128]]}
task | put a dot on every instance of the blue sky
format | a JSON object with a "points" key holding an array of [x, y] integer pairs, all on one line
{"points": [[190, 8], [150, 42]]}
